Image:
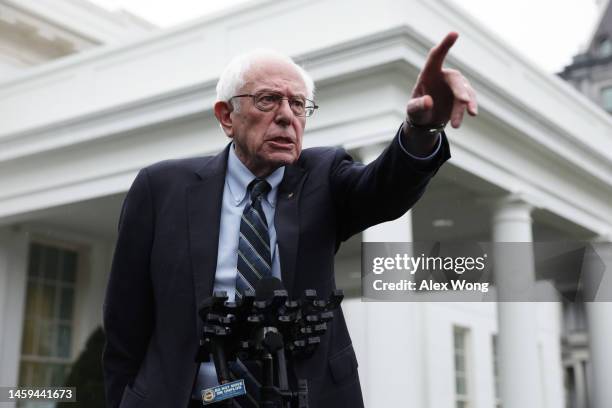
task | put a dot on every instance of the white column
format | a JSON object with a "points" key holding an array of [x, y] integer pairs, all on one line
{"points": [[580, 384], [518, 353], [599, 315], [4, 276], [599, 320], [92, 287], [399, 230], [393, 364], [13, 277]]}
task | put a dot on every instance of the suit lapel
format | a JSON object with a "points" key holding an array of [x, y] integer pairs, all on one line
{"points": [[286, 222], [204, 200]]}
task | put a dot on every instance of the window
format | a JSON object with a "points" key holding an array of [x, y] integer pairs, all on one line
{"points": [[48, 327], [606, 98], [461, 369], [604, 47], [496, 384]]}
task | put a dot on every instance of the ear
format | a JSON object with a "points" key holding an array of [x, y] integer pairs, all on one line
{"points": [[223, 112]]}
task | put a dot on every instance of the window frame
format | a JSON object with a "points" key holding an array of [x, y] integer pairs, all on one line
{"points": [[56, 320], [466, 398], [604, 47], [606, 92], [496, 378]]}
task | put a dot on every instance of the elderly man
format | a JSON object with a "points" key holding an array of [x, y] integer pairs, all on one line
{"points": [[261, 207]]}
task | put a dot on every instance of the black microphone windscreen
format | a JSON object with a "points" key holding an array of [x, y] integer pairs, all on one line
{"points": [[265, 288]]}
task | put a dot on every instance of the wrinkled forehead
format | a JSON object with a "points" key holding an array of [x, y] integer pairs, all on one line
{"points": [[275, 75]]}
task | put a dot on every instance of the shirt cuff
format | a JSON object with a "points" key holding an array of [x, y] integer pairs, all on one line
{"points": [[431, 156]]}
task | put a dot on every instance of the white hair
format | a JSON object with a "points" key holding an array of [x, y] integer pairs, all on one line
{"points": [[232, 77]]}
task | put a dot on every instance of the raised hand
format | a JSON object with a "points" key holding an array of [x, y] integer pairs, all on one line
{"points": [[440, 94]]}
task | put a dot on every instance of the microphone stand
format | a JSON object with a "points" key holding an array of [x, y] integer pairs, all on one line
{"points": [[265, 331]]}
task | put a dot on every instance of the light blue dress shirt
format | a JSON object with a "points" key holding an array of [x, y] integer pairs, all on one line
{"points": [[235, 199], [237, 179]]}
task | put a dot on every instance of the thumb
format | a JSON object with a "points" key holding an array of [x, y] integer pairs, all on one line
{"points": [[419, 109]]}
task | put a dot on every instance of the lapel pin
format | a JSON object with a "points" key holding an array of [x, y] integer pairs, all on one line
{"points": [[289, 195]]}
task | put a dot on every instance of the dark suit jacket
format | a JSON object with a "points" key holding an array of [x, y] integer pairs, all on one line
{"points": [[165, 261]]}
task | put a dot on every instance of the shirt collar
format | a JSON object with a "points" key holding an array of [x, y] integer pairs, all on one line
{"points": [[238, 177]]}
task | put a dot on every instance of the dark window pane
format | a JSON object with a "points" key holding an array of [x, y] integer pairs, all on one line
{"points": [[460, 386], [69, 266], [459, 363], [63, 341], [47, 310], [24, 369], [33, 299], [51, 263], [27, 341], [46, 339], [605, 47], [606, 98], [39, 375], [459, 339], [58, 374], [66, 303], [34, 264], [48, 369]]}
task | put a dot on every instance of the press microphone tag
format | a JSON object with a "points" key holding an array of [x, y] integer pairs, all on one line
{"points": [[223, 392]]}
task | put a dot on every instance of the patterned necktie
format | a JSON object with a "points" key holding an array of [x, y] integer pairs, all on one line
{"points": [[254, 256]]}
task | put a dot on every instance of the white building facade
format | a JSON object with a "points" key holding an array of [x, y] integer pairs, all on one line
{"points": [[535, 165]]}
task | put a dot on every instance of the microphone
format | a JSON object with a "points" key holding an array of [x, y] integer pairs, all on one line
{"points": [[217, 335], [270, 295], [266, 288], [261, 331], [271, 292]]}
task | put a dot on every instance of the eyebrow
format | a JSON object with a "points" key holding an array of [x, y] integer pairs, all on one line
{"points": [[272, 90]]}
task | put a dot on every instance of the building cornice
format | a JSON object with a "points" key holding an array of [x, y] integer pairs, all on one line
{"points": [[78, 21], [339, 62], [41, 32]]}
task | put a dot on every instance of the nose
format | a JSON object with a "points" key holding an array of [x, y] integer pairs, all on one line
{"points": [[283, 113]]}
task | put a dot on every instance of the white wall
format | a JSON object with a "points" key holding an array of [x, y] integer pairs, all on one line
{"points": [[428, 350]]}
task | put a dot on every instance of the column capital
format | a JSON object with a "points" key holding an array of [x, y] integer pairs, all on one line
{"points": [[509, 200], [511, 220], [513, 207]]}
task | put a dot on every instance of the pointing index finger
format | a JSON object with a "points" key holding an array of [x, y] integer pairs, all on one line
{"points": [[436, 56]]}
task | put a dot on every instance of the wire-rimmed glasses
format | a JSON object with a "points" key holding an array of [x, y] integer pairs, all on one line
{"points": [[267, 101]]}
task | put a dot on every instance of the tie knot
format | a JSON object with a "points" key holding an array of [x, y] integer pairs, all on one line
{"points": [[259, 187]]}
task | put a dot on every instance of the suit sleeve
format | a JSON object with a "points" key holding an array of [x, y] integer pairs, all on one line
{"points": [[383, 190], [128, 311]]}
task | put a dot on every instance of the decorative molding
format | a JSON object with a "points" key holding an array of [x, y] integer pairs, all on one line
{"points": [[41, 32]]}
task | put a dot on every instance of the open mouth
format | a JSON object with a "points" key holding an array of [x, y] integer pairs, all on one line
{"points": [[281, 141]]}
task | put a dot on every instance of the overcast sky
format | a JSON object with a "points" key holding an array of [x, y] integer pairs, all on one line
{"points": [[547, 32]]}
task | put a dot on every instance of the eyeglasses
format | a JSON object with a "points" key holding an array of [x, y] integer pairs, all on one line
{"points": [[267, 101]]}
